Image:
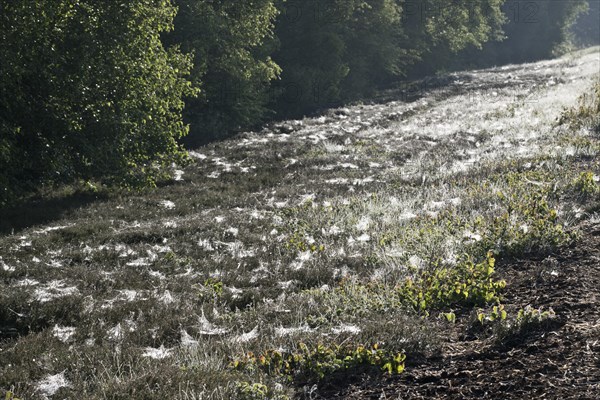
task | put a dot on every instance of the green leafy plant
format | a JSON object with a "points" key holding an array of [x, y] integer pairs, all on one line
{"points": [[449, 316], [586, 185], [11, 396], [497, 314], [299, 243], [530, 315], [468, 283], [211, 289], [586, 114], [313, 364], [527, 320], [253, 391]]}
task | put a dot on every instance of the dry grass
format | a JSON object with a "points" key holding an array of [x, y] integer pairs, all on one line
{"points": [[270, 240]]}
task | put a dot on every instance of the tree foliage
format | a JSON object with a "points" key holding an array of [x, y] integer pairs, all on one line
{"points": [[232, 66], [437, 30], [311, 51], [587, 27], [96, 89], [534, 30], [88, 91], [332, 51]]}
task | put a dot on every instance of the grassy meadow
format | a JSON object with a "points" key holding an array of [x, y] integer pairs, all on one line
{"points": [[309, 252]]}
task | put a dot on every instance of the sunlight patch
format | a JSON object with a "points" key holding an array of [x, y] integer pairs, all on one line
{"points": [[124, 251], [333, 231], [27, 282], [178, 175], [54, 264], [157, 354], [365, 237], [6, 267], [364, 181], [52, 383], [166, 298], [286, 285], [161, 249], [169, 205], [64, 334], [416, 261], [54, 290], [235, 292], [282, 332], [407, 215], [187, 340], [117, 332], [197, 156], [208, 329], [140, 262], [306, 198], [52, 229], [206, 245], [237, 249], [352, 329], [170, 224], [337, 181], [157, 274], [24, 242], [472, 236], [127, 295], [247, 337], [363, 224]]}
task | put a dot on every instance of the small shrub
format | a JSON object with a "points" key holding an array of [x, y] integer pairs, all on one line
{"points": [[497, 314], [586, 114], [313, 364], [526, 321], [11, 396], [586, 185], [468, 283], [486, 321], [528, 224], [211, 289], [253, 391], [532, 316]]}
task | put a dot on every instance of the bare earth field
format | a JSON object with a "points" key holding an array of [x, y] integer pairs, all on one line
{"points": [[440, 242]]}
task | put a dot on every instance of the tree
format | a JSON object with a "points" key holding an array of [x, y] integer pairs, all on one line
{"points": [[373, 54], [88, 91], [438, 30], [534, 30], [587, 28], [310, 52], [332, 51], [232, 66]]}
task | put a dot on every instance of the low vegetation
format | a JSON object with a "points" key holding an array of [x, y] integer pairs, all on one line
{"points": [[275, 263]]}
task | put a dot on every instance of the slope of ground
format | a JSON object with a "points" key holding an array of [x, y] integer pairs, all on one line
{"points": [[281, 262], [558, 360]]}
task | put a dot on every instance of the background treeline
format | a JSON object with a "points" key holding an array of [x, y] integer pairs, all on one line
{"points": [[536, 30], [88, 91], [99, 90]]}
